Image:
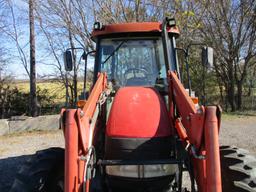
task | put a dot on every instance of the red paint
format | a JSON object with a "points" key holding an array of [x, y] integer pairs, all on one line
{"points": [[202, 129], [213, 170], [199, 167], [133, 27], [77, 136], [71, 151], [180, 130], [98, 88], [191, 120], [138, 112]]}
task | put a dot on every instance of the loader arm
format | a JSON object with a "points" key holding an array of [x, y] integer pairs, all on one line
{"points": [[79, 130], [198, 128]]}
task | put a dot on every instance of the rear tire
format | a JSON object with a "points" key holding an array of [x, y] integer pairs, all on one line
{"points": [[238, 170], [44, 172]]}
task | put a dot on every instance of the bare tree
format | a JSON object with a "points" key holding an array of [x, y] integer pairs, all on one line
{"points": [[10, 29], [65, 24], [34, 108], [71, 22], [230, 28], [112, 11]]}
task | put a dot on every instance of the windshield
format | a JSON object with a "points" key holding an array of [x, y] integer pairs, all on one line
{"points": [[133, 62]]}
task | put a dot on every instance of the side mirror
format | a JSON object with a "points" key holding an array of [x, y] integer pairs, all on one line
{"points": [[207, 57], [171, 22], [68, 60]]}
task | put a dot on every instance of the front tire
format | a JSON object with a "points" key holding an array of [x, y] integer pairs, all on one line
{"points": [[43, 172], [238, 170]]}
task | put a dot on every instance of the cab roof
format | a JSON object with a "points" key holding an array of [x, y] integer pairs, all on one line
{"points": [[136, 27]]}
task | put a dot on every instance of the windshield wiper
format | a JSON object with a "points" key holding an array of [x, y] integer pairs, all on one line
{"points": [[117, 48]]}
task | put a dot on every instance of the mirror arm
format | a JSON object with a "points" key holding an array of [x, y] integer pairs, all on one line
{"points": [[85, 56], [188, 73], [186, 53]]}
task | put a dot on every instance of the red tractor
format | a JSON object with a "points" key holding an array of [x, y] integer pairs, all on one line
{"points": [[139, 129]]}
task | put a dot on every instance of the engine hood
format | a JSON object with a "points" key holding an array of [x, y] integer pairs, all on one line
{"points": [[138, 112]]}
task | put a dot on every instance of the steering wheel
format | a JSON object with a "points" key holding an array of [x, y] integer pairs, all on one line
{"points": [[137, 71]]}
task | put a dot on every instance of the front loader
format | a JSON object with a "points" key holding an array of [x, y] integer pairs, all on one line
{"points": [[140, 128]]}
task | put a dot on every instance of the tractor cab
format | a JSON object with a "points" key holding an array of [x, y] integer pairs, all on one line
{"points": [[133, 55]]}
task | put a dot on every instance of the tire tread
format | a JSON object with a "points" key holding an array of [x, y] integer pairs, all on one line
{"points": [[238, 170], [34, 174]]}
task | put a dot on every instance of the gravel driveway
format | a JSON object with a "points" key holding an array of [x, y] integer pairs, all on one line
{"points": [[16, 149], [239, 131]]}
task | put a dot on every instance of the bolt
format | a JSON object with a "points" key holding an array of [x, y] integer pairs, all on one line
{"points": [[81, 113], [200, 111]]}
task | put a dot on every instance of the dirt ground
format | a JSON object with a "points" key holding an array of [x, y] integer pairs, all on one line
{"points": [[16, 149], [239, 131]]}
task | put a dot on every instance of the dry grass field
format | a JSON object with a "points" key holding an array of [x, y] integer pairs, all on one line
{"points": [[55, 89]]}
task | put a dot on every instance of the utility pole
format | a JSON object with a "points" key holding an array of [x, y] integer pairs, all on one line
{"points": [[33, 98]]}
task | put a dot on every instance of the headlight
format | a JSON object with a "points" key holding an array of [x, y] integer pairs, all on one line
{"points": [[141, 171], [123, 171]]}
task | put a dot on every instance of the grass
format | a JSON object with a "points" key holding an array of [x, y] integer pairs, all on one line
{"points": [[238, 114], [54, 88]]}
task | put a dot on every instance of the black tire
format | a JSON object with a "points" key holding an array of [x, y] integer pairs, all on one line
{"points": [[43, 172], [238, 170]]}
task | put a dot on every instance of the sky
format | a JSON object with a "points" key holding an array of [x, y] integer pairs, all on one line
{"points": [[14, 67]]}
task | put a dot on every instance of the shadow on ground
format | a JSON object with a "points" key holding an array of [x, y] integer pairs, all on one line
{"points": [[9, 167]]}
